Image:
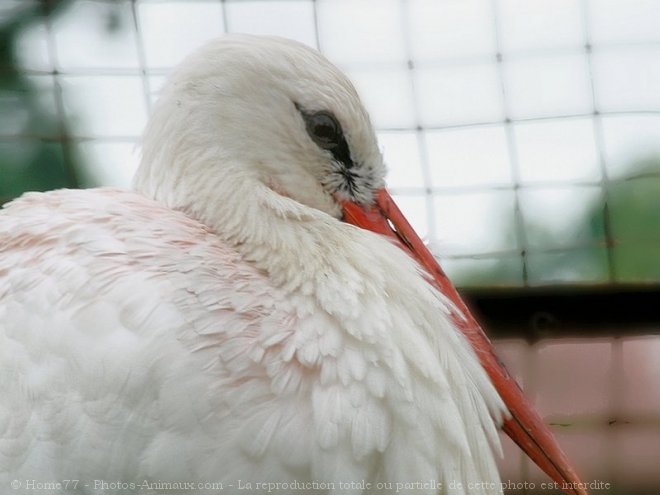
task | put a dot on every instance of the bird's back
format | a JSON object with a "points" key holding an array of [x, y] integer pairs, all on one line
{"points": [[136, 347], [116, 317]]}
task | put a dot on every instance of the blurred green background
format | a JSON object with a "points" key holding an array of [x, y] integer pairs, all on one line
{"points": [[617, 238]]}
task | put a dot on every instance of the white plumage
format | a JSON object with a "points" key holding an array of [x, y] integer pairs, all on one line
{"points": [[221, 323]]}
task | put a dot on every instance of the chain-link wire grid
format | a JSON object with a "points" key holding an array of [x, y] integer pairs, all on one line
{"points": [[502, 143], [503, 147], [601, 398]]}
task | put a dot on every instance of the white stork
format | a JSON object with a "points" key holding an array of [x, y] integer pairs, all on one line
{"points": [[222, 324]]}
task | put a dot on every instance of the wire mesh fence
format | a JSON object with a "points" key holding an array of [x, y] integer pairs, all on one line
{"points": [[611, 428], [516, 135], [523, 140]]}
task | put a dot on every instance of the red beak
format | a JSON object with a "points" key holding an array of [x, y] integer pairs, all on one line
{"points": [[525, 427]]}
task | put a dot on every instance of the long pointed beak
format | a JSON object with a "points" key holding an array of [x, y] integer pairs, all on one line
{"points": [[525, 427]]}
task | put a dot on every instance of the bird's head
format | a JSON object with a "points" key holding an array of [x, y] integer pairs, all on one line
{"points": [[276, 107], [276, 115]]}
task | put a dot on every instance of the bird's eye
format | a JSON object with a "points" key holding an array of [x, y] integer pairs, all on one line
{"points": [[324, 130]]}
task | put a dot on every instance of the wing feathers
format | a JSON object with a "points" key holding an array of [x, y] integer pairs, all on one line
{"points": [[129, 331]]}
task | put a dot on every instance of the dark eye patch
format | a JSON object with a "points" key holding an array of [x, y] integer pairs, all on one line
{"points": [[325, 130]]}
